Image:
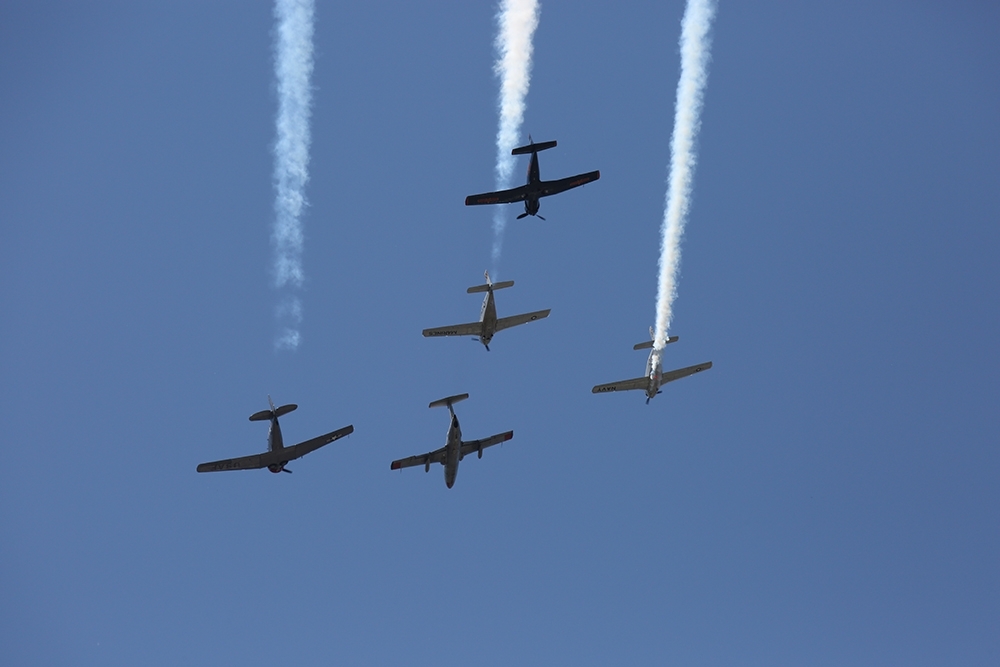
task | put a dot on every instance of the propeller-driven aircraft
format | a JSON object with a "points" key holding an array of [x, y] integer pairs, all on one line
{"points": [[535, 188], [654, 377], [277, 455], [454, 449], [488, 323]]}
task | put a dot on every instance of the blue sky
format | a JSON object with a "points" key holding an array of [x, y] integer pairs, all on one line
{"points": [[826, 494]]}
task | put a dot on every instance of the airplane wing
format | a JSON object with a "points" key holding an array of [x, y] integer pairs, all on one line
{"points": [[500, 197], [437, 456], [242, 463], [624, 385], [303, 448], [684, 372], [564, 184], [267, 458], [470, 329], [514, 320], [480, 445]]}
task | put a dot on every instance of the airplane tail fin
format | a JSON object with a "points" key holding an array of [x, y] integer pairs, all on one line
{"points": [[267, 415], [648, 344], [533, 147], [449, 401], [490, 285]]}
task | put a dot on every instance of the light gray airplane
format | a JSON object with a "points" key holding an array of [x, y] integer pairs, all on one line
{"points": [[488, 323], [277, 455], [654, 377], [455, 449]]}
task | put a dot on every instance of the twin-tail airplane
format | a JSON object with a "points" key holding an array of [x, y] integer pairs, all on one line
{"points": [[535, 188], [488, 323], [277, 455], [455, 448], [654, 377]]}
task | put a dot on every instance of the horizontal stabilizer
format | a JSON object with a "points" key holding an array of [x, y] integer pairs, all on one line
{"points": [[533, 148], [486, 288], [448, 401], [265, 415], [648, 344]]}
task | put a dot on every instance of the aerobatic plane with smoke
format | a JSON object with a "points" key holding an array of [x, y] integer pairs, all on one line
{"points": [[535, 188], [454, 449], [488, 323], [654, 377], [277, 455]]}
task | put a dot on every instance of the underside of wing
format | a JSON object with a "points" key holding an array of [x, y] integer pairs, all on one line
{"points": [[499, 197], [242, 463], [479, 445], [303, 448], [470, 329], [563, 184], [684, 372], [624, 385], [514, 320], [437, 456]]}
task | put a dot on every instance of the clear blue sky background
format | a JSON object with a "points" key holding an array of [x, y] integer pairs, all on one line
{"points": [[827, 494]]}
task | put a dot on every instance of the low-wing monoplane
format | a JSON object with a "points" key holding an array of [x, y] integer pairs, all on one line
{"points": [[488, 323], [654, 377], [535, 188], [455, 449], [277, 455]]}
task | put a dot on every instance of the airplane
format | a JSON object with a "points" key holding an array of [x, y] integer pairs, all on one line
{"points": [[654, 377], [535, 188], [277, 455], [454, 449], [488, 323]]}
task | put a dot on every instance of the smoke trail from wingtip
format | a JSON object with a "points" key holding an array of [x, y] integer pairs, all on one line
{"points": [[517, 20], [695, 50], [293, 65]]}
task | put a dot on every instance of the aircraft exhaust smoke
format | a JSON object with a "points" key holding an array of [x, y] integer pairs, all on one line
{"points": [[293, 65], [517, 21], [695, 51]]}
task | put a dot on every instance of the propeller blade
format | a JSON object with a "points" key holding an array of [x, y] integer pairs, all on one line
{"points": [[539, 217], [290, 472], [523, 215]]}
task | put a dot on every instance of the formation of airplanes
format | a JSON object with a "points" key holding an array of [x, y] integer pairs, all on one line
{"points": [[455, 449]]}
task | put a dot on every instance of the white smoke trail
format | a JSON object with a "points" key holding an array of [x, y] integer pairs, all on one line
{"points": [[293, 65], [694, 45], [517, 21]]}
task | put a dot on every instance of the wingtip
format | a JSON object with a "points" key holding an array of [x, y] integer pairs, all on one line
{"points": [[394, 465]]}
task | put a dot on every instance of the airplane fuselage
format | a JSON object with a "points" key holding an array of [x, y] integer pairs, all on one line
{"points": [[274, 443], [534, 178], [453, 452], [654, 371], [488, 316]]}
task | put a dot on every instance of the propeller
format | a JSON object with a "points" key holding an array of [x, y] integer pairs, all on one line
{"points": [[523, 215], [539, 217]]}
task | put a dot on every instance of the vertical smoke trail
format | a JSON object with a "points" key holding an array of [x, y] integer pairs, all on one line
{"points": [[694, 46], [517, 22], [293, 64]]}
